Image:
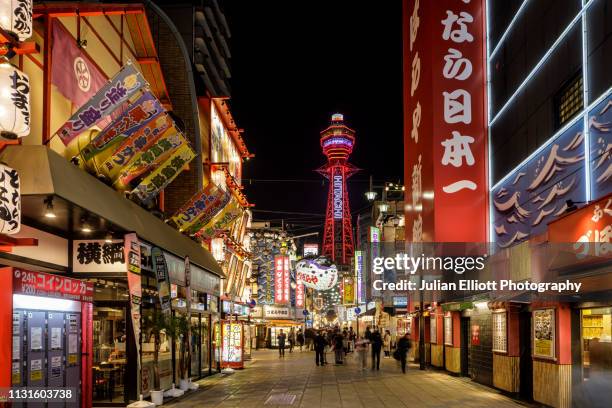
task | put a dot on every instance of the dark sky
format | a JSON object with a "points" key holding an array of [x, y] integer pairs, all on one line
{"points": [[294, 63]]}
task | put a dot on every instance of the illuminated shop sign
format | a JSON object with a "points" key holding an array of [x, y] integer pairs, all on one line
{"points": [[338, 187], [337, 141], [223, 149], [359, 275]]}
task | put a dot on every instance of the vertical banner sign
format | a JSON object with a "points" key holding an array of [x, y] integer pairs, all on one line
{"points": [[338, 190], [278, 279], [299, 294], [132, 259], [10, 201], [359, 275], [163, 279], [444, 97], [188, 290], [286, 280], [348, 293]]}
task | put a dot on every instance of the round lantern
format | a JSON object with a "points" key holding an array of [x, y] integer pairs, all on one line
{"points": [[14, 102], [16, 18]]}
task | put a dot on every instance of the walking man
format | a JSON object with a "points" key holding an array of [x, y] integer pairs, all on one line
{"points": [[377, 342], [319, 346], [403, 345], [281, 343]]}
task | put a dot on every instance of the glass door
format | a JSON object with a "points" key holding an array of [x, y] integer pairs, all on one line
{"points": [[110, 337]]}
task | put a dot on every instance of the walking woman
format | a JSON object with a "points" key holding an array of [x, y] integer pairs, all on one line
{"points": [[387, 343]]}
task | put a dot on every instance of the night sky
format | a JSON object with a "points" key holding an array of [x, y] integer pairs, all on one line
{"points": [[294, 63]]}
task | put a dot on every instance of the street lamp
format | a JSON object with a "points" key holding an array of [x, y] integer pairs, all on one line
{"points": [[371, 194], [383, 207]]}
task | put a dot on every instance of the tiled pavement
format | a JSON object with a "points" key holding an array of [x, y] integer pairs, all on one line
{"points": [[338, 386]]}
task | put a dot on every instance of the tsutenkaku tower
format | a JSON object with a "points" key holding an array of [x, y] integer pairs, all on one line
{"points": [[337, 142]]}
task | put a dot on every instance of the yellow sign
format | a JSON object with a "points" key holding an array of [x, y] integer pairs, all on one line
{"points": [[36, 375], [72, 358], [348, 297]]}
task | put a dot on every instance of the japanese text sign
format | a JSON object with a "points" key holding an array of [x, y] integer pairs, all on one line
{"points": [[44, 284], [445, 127], [98, 256]]}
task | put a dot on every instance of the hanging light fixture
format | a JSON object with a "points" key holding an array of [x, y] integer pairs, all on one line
{"points": [[16, 18], [14, 102], [85, 227], [49, 211], [108, 238], [370, 195], [383, 207]]}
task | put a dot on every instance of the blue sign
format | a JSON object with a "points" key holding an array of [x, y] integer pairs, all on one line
{"points": [[600, 137], [305, 312], [357, 310], [536, 193]]}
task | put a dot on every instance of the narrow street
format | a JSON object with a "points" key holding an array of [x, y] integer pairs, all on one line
{"points": [[270, 381]]}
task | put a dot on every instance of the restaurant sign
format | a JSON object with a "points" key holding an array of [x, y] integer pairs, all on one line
{"points": [[98, 256], [47, 285]]}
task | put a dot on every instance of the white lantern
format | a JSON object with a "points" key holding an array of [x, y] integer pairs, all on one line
{"points": [[14, 102], [16, 17], [10, 201]]}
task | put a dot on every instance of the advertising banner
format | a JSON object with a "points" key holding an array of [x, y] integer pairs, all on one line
{"points": [[141, 141], [108, 98], [163, 279], [142, 111], [164, 174], [299, 295], [10, 200], [132, 256], [279, 280], [150, 157], [445, 126], [201, 208], [348, 294], [43, 284], [222, 220]]}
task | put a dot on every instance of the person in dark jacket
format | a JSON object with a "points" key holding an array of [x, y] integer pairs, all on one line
{"points": [[281, 343], [300, 338], [376, 341], [403, 346], [368, 334], [319, 345], [339, 347]]}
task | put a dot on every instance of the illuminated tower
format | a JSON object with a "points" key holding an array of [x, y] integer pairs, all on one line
{"points": [[337, 142]]}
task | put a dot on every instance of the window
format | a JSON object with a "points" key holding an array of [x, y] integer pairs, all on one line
{"points": [[569, 101]]}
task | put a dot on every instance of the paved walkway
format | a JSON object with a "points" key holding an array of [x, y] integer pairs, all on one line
{"points": [[270, 381]]}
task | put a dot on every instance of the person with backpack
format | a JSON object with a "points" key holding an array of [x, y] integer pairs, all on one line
{"points": [[403, 346]]}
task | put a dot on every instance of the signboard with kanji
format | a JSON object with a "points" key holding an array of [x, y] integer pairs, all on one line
{"points": [[47, 285], [98, 256]]}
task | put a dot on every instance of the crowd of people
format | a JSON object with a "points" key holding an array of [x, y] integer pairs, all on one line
{"points": [[345, 341]]}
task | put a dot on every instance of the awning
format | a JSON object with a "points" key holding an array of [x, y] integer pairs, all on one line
{"points": [[76, 194]]}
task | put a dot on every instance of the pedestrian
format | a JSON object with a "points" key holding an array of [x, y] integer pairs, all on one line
{"points": [[387, 343], [352, 338], [319, 346], [368, 334], [300, 338], [281, 343], [309, 336], [291, 339], [345, 341], [361, 348], [339, 347], [403, 346], [328, 343], [376, 341]]}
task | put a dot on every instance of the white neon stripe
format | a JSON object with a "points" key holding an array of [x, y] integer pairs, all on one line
{"points": [[508, 29], [489, 156], [585, 95], [541, 62], [569, 124]]}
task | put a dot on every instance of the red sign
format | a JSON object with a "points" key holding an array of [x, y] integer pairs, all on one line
{"points": [[589, 230], [299, 295], [47, 285], [475, 335], [282, 279], [445, 127]]}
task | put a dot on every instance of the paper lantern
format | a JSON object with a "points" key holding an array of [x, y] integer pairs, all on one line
{"points": [[14, 102], [10, 201], [16, 17]]}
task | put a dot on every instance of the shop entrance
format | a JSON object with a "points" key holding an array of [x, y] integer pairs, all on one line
{"points": [[525, 360], [49, 342], [596, 344], [112, 338]]}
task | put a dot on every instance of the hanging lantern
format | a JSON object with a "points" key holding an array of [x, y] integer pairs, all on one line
{"points": [[14, 102], [16, 17], [10, 205]]}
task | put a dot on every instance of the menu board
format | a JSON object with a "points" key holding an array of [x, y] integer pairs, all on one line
{"points": [[500, 334], [544, 333], [231, 351], [433, 329], [448, 330]]}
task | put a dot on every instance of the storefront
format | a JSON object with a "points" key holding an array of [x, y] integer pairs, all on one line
{"points": [[45, 330]]}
